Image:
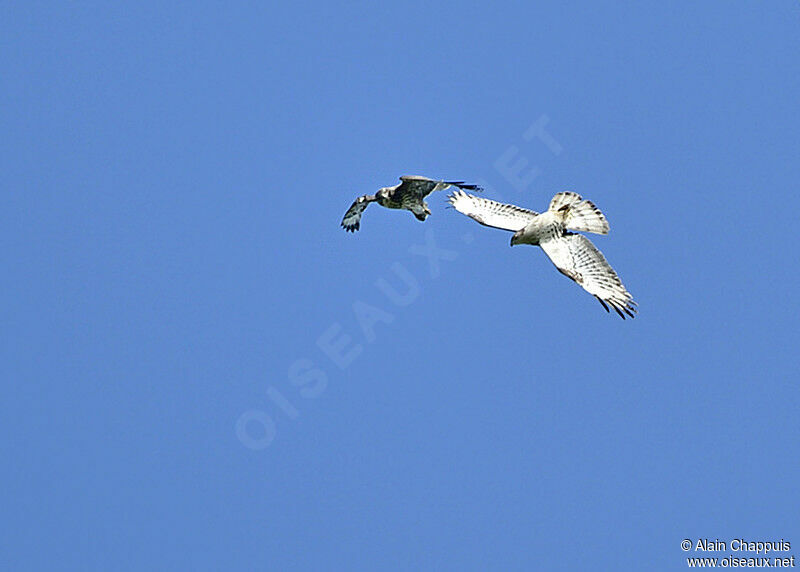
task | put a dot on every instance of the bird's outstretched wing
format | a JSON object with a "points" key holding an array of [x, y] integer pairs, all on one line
{"points": [[352, 218], [421, 187], [491, 213], [576, 257]]}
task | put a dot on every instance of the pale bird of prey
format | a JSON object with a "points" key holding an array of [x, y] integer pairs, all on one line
{"points": [[573, 254], [409, 195]]}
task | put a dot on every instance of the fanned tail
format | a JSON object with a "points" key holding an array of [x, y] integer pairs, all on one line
{"points": [[579, 214], [587, 217]]}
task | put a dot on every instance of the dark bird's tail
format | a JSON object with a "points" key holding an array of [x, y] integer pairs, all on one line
{"points": [[464, 186]]}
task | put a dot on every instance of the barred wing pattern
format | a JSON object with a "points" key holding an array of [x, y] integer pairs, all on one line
{"points": [[352, 218], [491, 213], [576, 257]]}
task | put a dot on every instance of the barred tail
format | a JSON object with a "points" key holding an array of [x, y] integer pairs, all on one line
{"points": [[587, 217], [579, 214]]}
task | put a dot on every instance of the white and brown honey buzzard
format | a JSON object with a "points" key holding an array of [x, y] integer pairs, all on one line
{"points": [[573, 254], [408, 195]]}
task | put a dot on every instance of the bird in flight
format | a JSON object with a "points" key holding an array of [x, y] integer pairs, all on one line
{"points": [[573, 254], [409, 195]]}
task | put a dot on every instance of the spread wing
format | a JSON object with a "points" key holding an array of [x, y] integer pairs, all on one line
{"points": [[352, 218], [491, 213], [421, 187], [576, 257]]}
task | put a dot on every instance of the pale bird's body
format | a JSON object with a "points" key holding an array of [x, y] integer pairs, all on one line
{"points": [[573, 254]]}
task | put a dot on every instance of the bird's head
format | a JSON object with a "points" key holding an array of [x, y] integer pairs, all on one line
{"points": [[384, 193], [516, 237]]}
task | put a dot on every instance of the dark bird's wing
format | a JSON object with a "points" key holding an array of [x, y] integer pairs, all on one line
{"points": [[421, 187], [352, 218], [414, 187], [577, 258]]}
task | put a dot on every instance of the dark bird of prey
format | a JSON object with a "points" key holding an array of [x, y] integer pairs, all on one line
{"points": [[573, 254], [409, 195]]}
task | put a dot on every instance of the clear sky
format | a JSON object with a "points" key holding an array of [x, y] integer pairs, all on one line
{"points": [[202, 371]]}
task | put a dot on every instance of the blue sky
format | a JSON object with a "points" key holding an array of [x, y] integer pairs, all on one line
{"points": [[204, 372]]}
